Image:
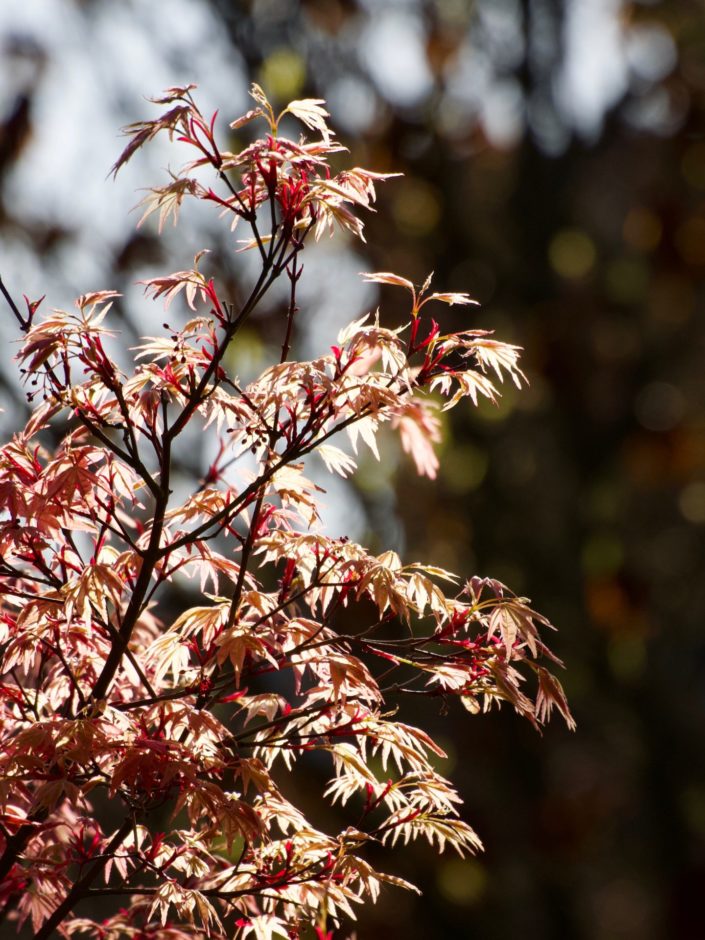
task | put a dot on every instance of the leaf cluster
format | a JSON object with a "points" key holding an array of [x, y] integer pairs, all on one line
{"points": [[301, 642]]}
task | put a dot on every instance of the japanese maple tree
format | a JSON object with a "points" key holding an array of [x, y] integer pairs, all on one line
{"points": [[145, 743]]}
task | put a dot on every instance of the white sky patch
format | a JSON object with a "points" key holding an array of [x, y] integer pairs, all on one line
{"points": [[340, 508], [500, 20], [393, 51], [353, 104], [595, 74], [651, 52], [331, 294], [468, 76], [503, 113]]}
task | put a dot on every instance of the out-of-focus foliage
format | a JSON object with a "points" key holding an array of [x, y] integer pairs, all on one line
{"points": [[555, 169]]}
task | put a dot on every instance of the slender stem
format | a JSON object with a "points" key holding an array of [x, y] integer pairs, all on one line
{"points": [[272, 268], [16, 843], [24, 324], [81, 887], [294, 276], [135, 606]]}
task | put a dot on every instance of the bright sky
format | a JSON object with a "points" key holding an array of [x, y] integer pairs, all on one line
{"points": [[101, 66]]}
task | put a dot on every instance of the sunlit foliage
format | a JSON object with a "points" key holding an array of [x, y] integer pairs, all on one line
{"points": [[302, 642]]}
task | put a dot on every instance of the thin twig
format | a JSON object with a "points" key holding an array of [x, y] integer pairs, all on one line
{"points": [[24, 324]]}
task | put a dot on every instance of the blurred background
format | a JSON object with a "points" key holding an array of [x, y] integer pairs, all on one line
{"points": [[554, 167]]}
